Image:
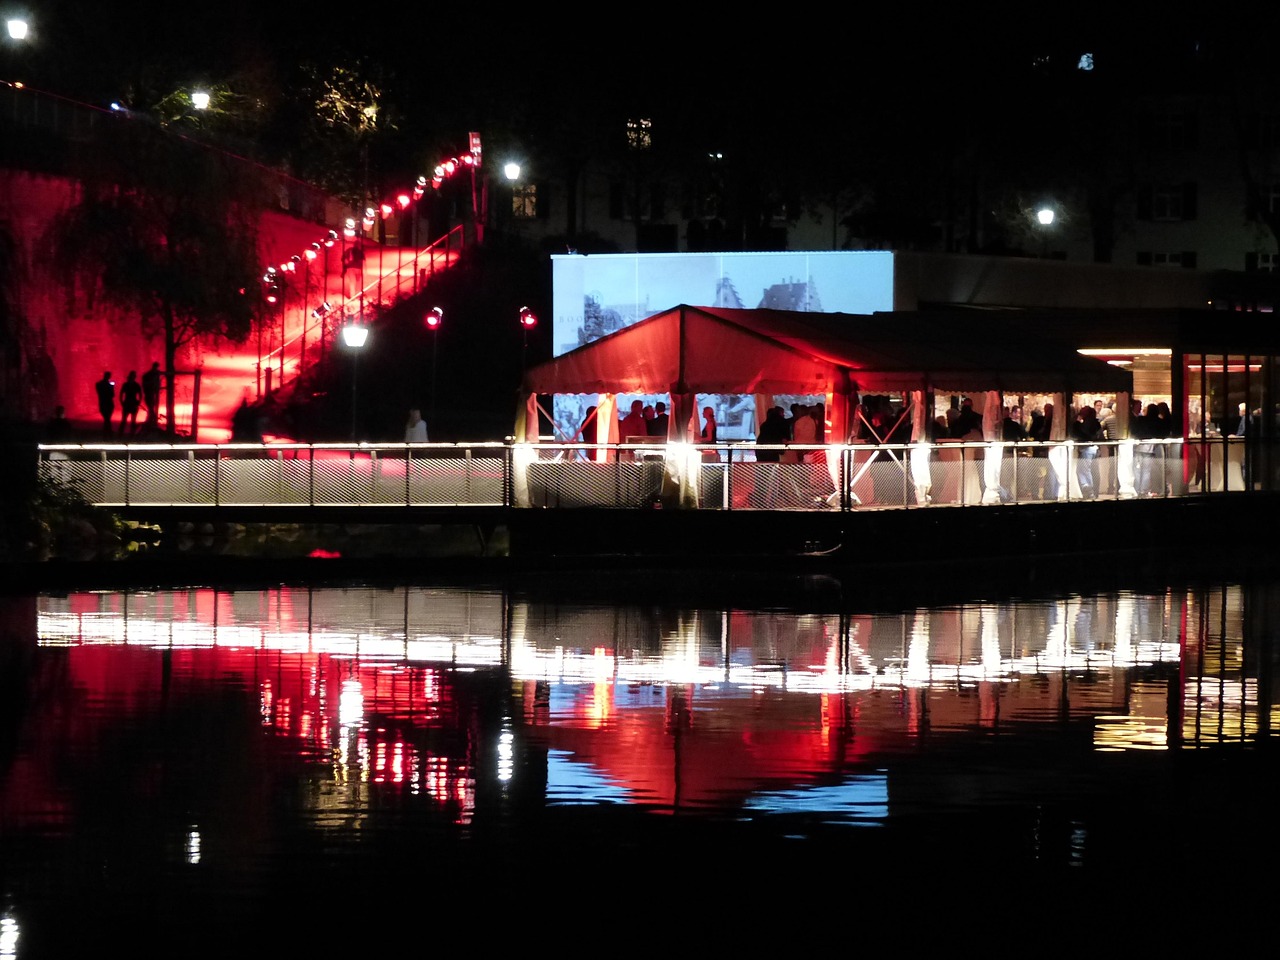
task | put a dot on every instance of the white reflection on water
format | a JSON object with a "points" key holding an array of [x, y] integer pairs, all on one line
{"points": [[680, 707]]}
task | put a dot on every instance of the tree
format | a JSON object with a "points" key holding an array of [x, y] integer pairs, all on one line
{"points": [[167, 230]]}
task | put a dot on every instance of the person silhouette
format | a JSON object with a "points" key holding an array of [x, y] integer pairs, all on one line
{"points": [[151, 393], [130, 400], [106, 390]]}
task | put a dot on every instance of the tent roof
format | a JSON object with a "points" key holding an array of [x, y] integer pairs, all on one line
{"points": [[689, 349]]}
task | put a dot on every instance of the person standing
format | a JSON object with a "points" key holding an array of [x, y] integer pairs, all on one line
{"points": [[130, 401], [658, 425], [415, 431], [1086, 431], [708, 434], [106, 390], [634, 423], [151, 394]]}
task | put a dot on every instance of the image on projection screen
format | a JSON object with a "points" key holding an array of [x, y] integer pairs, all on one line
{"points": [[594, 296]]}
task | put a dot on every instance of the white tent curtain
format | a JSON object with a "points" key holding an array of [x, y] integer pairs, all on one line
{"points": [[764, 401], [1126, 476], [1058, 454], [606, 423], [683, 425], [523, 453], [921, 453], [992, 430], [529, 420]]}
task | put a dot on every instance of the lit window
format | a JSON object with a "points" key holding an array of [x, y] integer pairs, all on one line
{"points": [[639, 134], [524, 201]]}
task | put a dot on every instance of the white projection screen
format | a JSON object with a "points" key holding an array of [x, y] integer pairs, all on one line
{"points": [[596, 295]]}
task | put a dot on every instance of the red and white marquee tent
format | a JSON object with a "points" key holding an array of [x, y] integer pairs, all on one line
{"points": [[689, 350]]}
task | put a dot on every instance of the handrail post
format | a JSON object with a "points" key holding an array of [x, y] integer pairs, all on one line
{"points": [[466, 487], [128, 458], [726, 501]]}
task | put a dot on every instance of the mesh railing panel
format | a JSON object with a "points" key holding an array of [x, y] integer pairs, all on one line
{"points": [[448, 475], [446, 481], [578, 483]]}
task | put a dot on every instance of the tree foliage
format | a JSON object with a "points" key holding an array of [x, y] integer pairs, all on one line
{"points": [[165, 231]]}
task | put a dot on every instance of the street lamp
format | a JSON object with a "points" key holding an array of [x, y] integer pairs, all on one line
{"points": [[354, 336], [433, 320], [17, 32], [527, 322], [1045, 217]]}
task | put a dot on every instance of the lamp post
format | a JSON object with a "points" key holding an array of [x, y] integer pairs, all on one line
{"points": [[1045, 217], [311, 253], [16, 32], [433, 320], [354, 336], [527, 322]]}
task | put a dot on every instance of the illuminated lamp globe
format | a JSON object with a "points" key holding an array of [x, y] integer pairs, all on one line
{"points": [[354, 336], [511, 171], [1045, 216]]}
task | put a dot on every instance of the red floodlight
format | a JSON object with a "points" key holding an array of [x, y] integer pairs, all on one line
{"points": [[434, 317], [527, 318], [403, 201], [386, 210], [331, 239]]}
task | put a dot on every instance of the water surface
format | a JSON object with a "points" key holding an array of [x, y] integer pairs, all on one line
{"points": [[248, 770]]}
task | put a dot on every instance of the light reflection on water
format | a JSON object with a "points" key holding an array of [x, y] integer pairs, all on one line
{"points": [[221, 744]]}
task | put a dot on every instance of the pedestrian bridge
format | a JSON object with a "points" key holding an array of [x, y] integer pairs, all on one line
{"points": [[453, 477]]}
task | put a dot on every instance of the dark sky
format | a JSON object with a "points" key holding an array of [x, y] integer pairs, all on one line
{"points": [[457, 67]]}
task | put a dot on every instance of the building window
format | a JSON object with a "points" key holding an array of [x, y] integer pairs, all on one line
{"points": [[639, 134], [1174, 129], [1271, 197], [1166, 203], [1267, 262], [524, 201], [1185, 258]]}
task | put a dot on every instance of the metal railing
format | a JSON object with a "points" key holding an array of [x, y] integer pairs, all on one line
{"points": [[739, 476]]}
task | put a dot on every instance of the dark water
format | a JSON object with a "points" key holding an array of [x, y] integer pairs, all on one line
{"points": [[249, 771]]}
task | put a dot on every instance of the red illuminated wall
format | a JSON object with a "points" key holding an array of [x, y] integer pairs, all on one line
{"points": [[80, 341]]}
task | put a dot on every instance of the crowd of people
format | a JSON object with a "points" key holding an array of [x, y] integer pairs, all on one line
{"points": [[878, 420], [134, 394]]}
